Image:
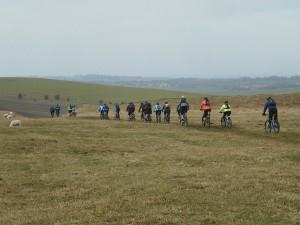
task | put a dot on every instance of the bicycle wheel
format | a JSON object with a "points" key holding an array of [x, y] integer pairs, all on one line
{"points": [[207, 122], [275, 126], [186, 120], [229, 123], [223, 124], [203, 122], [182, 122], [267, 126]]}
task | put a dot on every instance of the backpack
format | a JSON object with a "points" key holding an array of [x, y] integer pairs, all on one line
{"points": [[183, 104], [167, 108], [157, 108]]}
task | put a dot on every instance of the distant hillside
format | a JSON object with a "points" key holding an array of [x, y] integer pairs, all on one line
{"points": [[37, 89], [238, 86]]}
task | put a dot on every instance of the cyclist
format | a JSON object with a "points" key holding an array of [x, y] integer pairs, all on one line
{"points": [[69, 109], [117, 111], [130, 109], [74, 110], [167, 111], [225, 109], [57, 110], [141, 110], [183, 106], [272, 107], [157, 110], [52, 110], [106, 110], [147, 111], [103, 109], [206, 107], [100, 108]]}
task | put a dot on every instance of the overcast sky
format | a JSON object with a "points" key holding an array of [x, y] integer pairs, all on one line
{"points": [[193, 38]]}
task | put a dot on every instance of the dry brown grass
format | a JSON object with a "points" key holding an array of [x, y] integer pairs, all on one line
{"points": [[86, 171]]}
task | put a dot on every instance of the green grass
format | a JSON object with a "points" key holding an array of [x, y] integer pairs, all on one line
{"points": [[85, 171], [35, 88]]}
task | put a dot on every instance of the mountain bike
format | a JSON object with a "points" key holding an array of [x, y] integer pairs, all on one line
{"points": [[183, 120], [104, 116], [117, 116], [167, 117], [158, 117], [272, 125], [226, 122], [73, 114], [147, 117], [206, 120], [131, 117]]}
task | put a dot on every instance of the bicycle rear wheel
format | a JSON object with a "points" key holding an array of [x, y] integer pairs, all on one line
{"points": [[276, 126], [208, 122], [267, 126], [168, 118], [184, 121], [229, 123]]}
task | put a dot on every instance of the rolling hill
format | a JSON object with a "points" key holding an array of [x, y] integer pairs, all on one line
{"points": [[33, 96], [36, 88]]}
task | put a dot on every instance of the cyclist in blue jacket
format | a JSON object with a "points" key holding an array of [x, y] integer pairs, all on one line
{"points": [[272, 107]]}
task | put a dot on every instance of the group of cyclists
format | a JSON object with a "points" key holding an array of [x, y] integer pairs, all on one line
{"points": [[146, 110], [182, 109], [71, 108], [55, 109]]}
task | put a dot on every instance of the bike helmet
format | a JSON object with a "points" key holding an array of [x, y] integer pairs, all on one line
{"points": [[226, 102]]}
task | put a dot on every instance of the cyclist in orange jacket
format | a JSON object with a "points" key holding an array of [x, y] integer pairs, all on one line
{"points": [[206, 107]]}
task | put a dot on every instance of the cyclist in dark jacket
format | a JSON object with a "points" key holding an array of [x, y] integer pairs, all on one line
{"points": [[117, 111], [147, 108], [141, 110], [117, 108], [183, 106], [166, 108], [272, 107], [130, 108], [57, 110], [52, 110], [147, 111]]}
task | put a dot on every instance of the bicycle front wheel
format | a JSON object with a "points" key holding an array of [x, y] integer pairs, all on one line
{"points": [[223, 124]]}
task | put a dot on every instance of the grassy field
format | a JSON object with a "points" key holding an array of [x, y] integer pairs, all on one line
{"points": [[35, 89], [86, 171]]}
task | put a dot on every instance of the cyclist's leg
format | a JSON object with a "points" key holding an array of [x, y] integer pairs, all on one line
{"points": [[276, 115], [271, 114], [228, 114], [205, 113], [224, 115]]}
